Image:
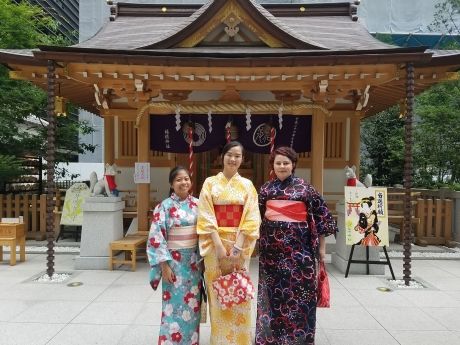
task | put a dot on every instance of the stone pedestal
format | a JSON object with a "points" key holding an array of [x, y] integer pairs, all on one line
{"points": [[342, 251], [102, 224]]}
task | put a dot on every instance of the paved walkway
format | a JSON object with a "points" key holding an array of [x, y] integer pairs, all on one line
{"points": [[119, 307]]}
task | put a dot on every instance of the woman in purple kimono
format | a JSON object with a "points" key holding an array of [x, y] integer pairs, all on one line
{"points": [[172, 250], [295, 221]]}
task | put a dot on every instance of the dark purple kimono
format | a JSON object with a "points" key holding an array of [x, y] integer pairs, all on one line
{"points": [[286, 303]]}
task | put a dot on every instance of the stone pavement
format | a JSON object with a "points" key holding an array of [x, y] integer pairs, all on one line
{"points": [[119, 307]]}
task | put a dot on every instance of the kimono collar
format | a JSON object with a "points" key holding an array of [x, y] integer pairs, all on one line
{"points": [[222, 176], [176, 198], [287, 181]]}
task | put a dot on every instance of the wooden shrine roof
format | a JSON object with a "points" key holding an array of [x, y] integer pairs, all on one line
{"points": [[329, 27], [295, 36]]}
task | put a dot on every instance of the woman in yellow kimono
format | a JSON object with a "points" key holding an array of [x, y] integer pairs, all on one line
{"points": [[228, 227]]}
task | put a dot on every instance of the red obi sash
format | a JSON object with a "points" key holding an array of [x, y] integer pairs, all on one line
{"points": [[286, 211], [228, 215]]}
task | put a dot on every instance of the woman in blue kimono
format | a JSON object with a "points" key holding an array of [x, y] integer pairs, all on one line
{"points": [[172, 252]]}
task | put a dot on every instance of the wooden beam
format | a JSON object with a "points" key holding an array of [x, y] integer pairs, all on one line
{"points": [[355, 141], [109, 140], [143, 189], [317, 149]]}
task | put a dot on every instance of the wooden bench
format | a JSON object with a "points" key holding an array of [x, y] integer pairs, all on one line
{"points": [[12, 235], [12, 242], [129, 244]]}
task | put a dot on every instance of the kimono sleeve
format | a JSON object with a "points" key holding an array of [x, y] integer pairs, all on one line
{"points": [[325, 223], [263, 195], [206, 220], [157, 247], [250, 221]]}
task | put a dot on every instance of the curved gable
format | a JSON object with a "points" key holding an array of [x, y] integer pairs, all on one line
{"points": [[229, 15]]}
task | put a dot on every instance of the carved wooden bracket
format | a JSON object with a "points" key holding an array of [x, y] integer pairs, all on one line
{"points": [[230, 94], [175, 95], [102, 97]]}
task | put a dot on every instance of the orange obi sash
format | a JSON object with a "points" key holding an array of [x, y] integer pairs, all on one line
{"points": [[286, 211], [182, 237], [228, 215]]}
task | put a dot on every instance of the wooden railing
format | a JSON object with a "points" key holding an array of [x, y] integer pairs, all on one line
{"points": [[435, 221], [431, 217], [30, 206]]}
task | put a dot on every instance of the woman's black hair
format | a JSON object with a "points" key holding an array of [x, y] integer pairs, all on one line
{"points": [[173, 173]]}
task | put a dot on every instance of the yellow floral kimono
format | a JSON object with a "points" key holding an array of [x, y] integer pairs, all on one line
{"points": [[230, 326]]}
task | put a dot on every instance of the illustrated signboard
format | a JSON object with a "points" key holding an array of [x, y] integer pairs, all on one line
{"points": [[366, 216], [72, 213]]}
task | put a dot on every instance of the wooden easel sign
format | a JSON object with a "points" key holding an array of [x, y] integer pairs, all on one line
{"points": [[366, 222], [366, 216]]}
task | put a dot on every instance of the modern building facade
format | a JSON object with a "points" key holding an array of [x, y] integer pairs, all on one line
{"points": [[65, 12]]}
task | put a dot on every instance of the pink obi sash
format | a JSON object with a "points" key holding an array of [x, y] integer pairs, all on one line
{"points": [[286, 211], [182, 237], [228, 215]]}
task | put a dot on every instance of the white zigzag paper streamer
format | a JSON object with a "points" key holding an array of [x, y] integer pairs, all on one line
{"points": [[210, 120], [248, 119], [280, 116], [178, 118]]}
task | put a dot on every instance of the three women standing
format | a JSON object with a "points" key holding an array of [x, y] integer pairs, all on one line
{"points": [[228, 227], [173, 255], [295, 222]]}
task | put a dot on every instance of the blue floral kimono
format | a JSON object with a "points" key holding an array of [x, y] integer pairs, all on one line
{"points": [[180, 319]]}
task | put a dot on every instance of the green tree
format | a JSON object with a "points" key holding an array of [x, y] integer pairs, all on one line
{"points": [[445, 21], [23, 26], [10, 167], [437, 135], [382, 147]]}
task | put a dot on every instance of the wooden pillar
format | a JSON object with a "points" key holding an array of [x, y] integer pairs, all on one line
{"points": [[408, 171], [355, 141], [317, 149], [109, 139], [50, 159], [143, 156]]}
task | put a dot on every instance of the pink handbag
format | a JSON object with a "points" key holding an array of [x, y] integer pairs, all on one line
{"points": [[233, 289]]}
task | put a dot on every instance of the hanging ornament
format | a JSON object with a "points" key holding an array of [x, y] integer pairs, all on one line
{"points": [[248, 119], [190, 149], [272, 148], [228, 134], [280, 116], [210, 120], [178, 118], [294, 131]]}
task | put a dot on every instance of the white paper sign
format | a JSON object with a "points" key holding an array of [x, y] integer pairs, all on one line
{"points": [[141, 172]]}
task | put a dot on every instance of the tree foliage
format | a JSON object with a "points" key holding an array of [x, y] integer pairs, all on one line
{"points": [[446, 21], [436, 128], [24, 26], [382, 139], [437, 135], [10, 167]]}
